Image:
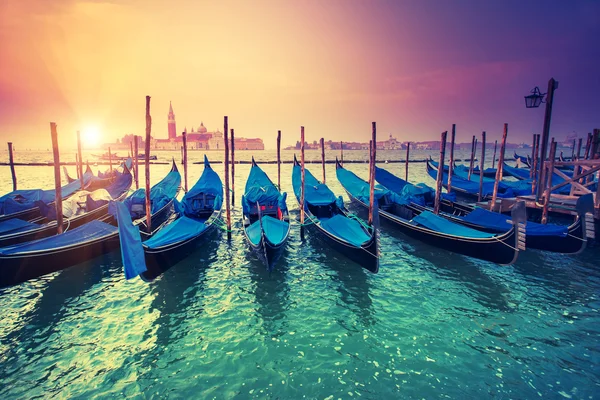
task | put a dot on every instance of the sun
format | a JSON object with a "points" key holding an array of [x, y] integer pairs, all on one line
{"points": [[91, 136]]}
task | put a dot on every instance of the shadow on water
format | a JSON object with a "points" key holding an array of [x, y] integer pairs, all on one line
{"points": [[352, 281], [271, 291], [485, 290], [59, 295]]}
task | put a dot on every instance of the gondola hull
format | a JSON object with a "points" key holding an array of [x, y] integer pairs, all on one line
{"points": [[366, 256], [24, 266]]}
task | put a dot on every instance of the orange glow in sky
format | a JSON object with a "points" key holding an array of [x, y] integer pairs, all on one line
{"points": [[332, 66]]}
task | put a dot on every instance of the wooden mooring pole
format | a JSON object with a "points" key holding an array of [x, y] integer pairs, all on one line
{"points": [[473, 145], [76, 167], [440, 174], [302, 188], [135, 161], [373, 156], [499, 169], [57, 181], [549, 165], [80, 164], [494, 158], [185, 172], [451, 165], [535, 161], [342, 153], [323, 157], [147, 166], [279, 160], [131, 150], [406, 161], [552, 85], [11, 161], [481, 166], [227, 204], [232, 166], [110, 161]]}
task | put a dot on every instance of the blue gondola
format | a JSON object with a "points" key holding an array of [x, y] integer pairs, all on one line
{"points": [[327, 215], [195, 219], [525, 160], [30, 260], [21, 204], [570, 239], [432, 229], [265, 216], [88, 206]]}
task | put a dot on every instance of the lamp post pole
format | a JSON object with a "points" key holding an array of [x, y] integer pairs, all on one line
{"points": [[552, 85]]}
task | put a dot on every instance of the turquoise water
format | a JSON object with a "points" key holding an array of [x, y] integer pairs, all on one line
{"points": [[431, 324]]}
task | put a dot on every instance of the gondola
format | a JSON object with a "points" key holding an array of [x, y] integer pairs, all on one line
{"points": [[194, 220], [525, 160], [488, 172], [570, 239], [82, 207], [327, 215], [21, 204], [30, 260], [265, 217], [432, 229]]}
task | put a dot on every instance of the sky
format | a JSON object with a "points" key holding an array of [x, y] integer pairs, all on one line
{"points": [[334, 66]]}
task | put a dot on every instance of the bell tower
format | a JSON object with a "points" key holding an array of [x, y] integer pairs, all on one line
{"points": [[172, 128]]}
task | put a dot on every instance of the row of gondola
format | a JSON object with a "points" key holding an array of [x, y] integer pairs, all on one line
{"points": [[31, 249]]}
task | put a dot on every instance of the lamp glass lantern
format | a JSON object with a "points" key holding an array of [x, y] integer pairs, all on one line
{"points": [[535, 98]]}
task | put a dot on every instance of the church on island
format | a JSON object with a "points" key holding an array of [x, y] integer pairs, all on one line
{"points": [[200, 139]]}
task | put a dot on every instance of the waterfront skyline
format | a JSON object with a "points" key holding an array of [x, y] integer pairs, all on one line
{"points": [[414, 67]]}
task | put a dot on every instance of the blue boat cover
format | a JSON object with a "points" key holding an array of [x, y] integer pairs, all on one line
{"points": [[473, 187], [519, 173], [206, 195], [132, 252], [160, 195], [345, 228], [436, 223], [487, 171], [91, 230], [15, 225], [316, 193], [496, 221], [180, 230], [20, 200], [275, 230], [360, 189], [389, 180], [260, 189]]}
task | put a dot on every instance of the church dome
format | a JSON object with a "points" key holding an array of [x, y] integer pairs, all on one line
{"points": [[202, 129]]}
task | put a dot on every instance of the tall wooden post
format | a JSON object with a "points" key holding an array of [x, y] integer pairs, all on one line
{"points": [[11, 161], [232, 166], [440, 174], [481, 166], [536, 160], [552, 85], [573, 151], [499, 169], [473, 144], [80, 164], [533, 151], [578, 155], [135, 161], [227, 204], [588, 145], [323, 157], [302, 188], [372, 175], [451, 165], [342, 153], [549, 165], [147, 166], [406, 161], [131, 150], [185, 174], [279, 160], [110, 161], [57, 181], [494, 158], [76, 167]]}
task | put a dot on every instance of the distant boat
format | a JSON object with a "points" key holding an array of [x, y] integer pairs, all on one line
{"points": [[143, 157]]}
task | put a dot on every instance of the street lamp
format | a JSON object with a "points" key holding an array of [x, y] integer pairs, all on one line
{"points": [[535, 98], [533, 101]]}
